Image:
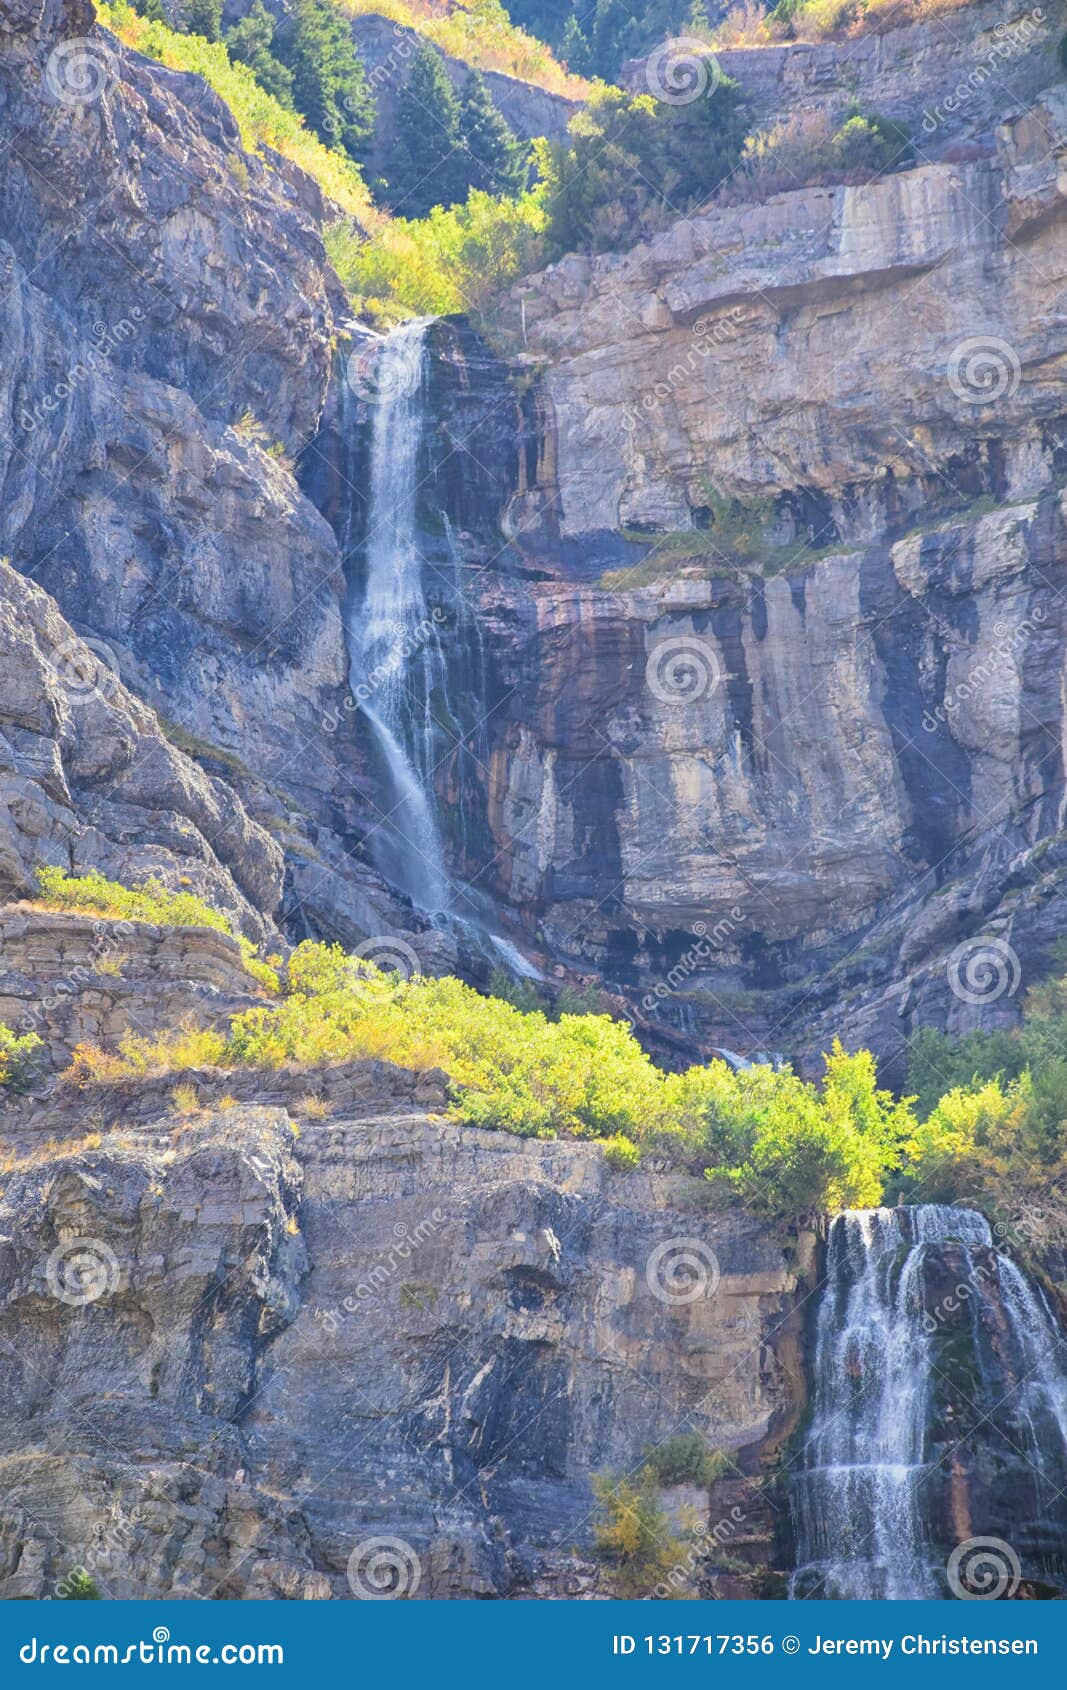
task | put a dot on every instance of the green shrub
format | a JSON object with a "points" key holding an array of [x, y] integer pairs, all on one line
{"points": [[78, 1586], [521, 994], [621, 1152], [152, 902], [686, 1459], [452, 260], [18, 1058], [631, 164], [938, 1064], [632, 1533], [805, 148]]}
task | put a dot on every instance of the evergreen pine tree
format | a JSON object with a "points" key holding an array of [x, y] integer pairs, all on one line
{"points": [[696, 20], [329, 84], [496, 160], [429, 165], [249, 43], [613, 36], [203, 17], [574, 48], [151, 10]]}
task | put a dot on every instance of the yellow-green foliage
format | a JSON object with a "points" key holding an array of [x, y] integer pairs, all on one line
{"points": [[452, 260], [621, 1152], [481, 34], [633, 1535], [16, 1057], [259, 117], [782, 1144], [151, 901], [778, 1143], [749, 24], [992, 1109]]}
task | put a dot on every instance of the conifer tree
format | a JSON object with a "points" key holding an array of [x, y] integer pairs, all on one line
{"points": [[329, 84], [496, 160], [574, 48], [202, 17], [429, 164], [249, 43]]}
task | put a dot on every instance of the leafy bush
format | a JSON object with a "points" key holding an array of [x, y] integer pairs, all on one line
{"points": [[805, 148], [686, 1459], [621, 1152], [781, 1145], [78, 1586], [152, 902], [632, 164], [449, 261], [938, 1064], [632, 1533], [17, 1058]]}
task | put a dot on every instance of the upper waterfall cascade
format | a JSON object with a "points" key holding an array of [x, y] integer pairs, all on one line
{"points": [[925, 1335], [410, 636]]}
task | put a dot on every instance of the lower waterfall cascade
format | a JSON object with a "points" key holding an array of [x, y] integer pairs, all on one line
{"points": [[938, 1416]]}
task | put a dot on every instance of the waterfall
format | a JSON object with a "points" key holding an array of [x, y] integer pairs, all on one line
{"points": [[396, 653], [403, 650], [929, 1343]]}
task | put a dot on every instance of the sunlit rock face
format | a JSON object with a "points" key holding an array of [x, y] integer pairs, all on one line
{"points": [[780, 627]]}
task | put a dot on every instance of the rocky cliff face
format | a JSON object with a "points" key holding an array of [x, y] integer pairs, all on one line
{"points": [[169, 322], [780, 626], [767, 721], [241, 1362]]}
